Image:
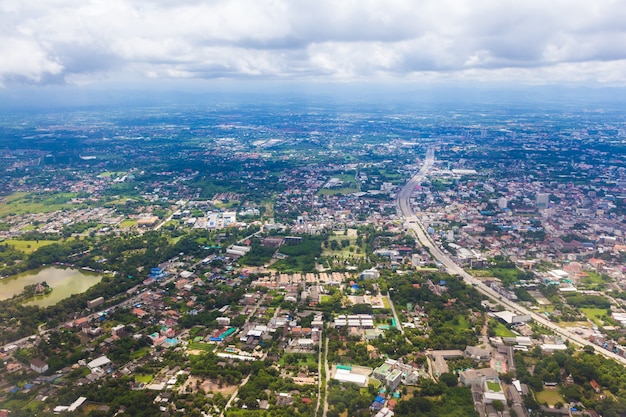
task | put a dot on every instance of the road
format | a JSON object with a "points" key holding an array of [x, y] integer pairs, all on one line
{"points": [[319, 374], [395, 315], [253, 312], [232, 397], [327, 377], [414, 225], [41, 332]]}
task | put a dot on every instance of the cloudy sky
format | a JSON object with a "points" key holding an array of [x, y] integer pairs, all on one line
{"points": [[80, 42]]}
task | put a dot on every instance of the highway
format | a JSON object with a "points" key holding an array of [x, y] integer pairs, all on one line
{"points": [[415, 226]]}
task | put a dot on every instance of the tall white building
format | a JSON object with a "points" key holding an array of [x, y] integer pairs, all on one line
{"points": [[542, 200]]}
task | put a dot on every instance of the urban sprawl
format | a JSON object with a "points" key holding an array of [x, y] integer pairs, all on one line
{"points": [[313, 260]]}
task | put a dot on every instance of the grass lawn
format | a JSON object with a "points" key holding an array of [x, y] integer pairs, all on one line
{"points": [[304, 359], [482, 273], [108, 174], [20, 203], [568, 324], [506, 275], [494, 386], [146, 379], [204, 347], [594, 315], [342, 252], [269, 208], [226, 206], [138, 354], [350, 186], [386, 302], [338, 191], [127, 224], [30, 246], [549, 396], [462, 322], [32, 406], [373, 382], [117, 202], [28, 228], [503, 331], [593, 278]]}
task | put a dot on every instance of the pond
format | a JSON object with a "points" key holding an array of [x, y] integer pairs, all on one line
{"points": [[63, 281]]}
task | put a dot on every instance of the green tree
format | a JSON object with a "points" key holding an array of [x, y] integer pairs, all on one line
{"points": [[449, 379], [498, 405]]}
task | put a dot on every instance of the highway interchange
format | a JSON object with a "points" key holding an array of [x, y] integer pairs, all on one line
{"points": [[415, 226]]}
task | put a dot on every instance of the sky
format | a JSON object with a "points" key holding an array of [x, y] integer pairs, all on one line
{"points": [[166, 42]]}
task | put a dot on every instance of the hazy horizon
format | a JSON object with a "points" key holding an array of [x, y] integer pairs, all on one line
{"points": [[70, 97]]}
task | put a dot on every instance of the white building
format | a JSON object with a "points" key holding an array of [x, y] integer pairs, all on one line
{"points": [[98, 363], [369, 274], [38, 366], [512, 318], [542, 200], [344, 375], [238, 250], [223, 321]]}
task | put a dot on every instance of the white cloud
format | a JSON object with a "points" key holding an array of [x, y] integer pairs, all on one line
{"points": [[24, 60], [530, 41]]}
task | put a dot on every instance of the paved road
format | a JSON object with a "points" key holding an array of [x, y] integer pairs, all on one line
{"points": [[319, 375], [395, 315], [41, 332], [232, 397], [327, 376], [414, 224]]}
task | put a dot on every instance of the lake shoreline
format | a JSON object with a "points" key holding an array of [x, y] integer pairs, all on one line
{"points": [[65, 281]]}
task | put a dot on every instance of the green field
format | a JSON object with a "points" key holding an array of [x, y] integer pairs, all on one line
{"points": [[117, 202], [127, 224], [226, 206], [299, 359], [204, 347], [549, 396], [29, 246], [374, 382], [21, 203], [594, 315], [108, 174], [140, 353], [269, 208], [349, 186], [506, 275], [146, 379], [342, 252], [338, 191], [481, 273], [503, 331], [462, 322], [594, 280], [494, 386]]}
